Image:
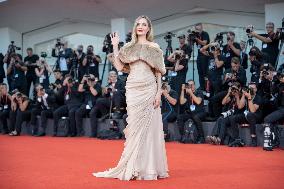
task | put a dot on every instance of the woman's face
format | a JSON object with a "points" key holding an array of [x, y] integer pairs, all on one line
{"points": [[142, 27]]}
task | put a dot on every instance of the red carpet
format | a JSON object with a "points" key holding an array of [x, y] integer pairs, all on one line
{"points": [[47, 162]]}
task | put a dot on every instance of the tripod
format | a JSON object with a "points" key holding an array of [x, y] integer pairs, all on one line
{"points": [[191, 44], [104, 68], [169, 51]]}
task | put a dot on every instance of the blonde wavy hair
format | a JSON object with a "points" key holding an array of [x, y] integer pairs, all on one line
{"points": [[149, 35]]}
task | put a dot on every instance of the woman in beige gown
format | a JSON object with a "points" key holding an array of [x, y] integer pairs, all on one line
{"points": [[144, 155]]}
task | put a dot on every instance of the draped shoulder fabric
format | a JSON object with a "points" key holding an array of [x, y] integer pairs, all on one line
{"points": [[144, 155], [150, 54]]}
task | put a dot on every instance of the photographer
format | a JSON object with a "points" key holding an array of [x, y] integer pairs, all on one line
{"points": [[42, 72], [267, 87], [44, 106], [113, 94], [234, 74], [252, 102], [230, 105], [215, 66], [2, 71], [78, 57], [243, 55], [202, 60], [192, 101], [91, 61], [256, 59], [20, 112], [91, 90], [56, 86], [31, 63], [180, 60], [5, 107], [169, 106], [16, 73], [231, 49], [63, 54], [278, 113], [72, 101], [270, 42]]}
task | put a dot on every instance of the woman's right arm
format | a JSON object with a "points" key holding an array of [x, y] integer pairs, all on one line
{"points": [[115, 40]]}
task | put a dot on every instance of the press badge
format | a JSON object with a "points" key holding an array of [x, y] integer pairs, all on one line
{"points": [[6, 107], [246, 112], [67, 97], [88, 107], [228, 55], [192, 107], [16, 76], [264, 46], [120, 73]]}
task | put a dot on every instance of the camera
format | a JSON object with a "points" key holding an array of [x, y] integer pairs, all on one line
{"points": [[58, 43], [43, 54], [70, 80], [12, 48], [128, 37], [193, 35], [228, 113], [107, 46], [168, 36], [249, 29], [248, 90], [179, 55], [219, 38]]}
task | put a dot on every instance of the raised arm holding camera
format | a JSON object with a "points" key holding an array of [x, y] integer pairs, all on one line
{"points": [[256, 59], [270, 42]]}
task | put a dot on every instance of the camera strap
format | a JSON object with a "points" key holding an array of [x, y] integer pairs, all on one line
{"points": [[171, 109]]}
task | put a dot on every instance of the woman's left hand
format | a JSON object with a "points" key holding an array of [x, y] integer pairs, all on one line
{"points": [[157, 100]]}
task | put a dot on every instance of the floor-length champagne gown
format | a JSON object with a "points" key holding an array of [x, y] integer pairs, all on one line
{"points": [[144, 154]]}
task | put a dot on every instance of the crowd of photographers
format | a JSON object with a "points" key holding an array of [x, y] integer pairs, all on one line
{"points": [[77, 91]]}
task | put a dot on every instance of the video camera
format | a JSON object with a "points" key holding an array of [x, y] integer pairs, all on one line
{"points": [[169, 35], [43, 54], [12, 48], [192, 35], [107, 46], [59, 44]]}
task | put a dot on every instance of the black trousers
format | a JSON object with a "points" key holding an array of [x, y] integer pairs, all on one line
{"points": [[31, 79], [197, 119], [101, 108], [202, 67], [79, 115], [274, 116], [251, 118], [44, 115], [215, 104], [220, 128], [168, 118], [3, 118], [17, 118], [68, 111]]}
